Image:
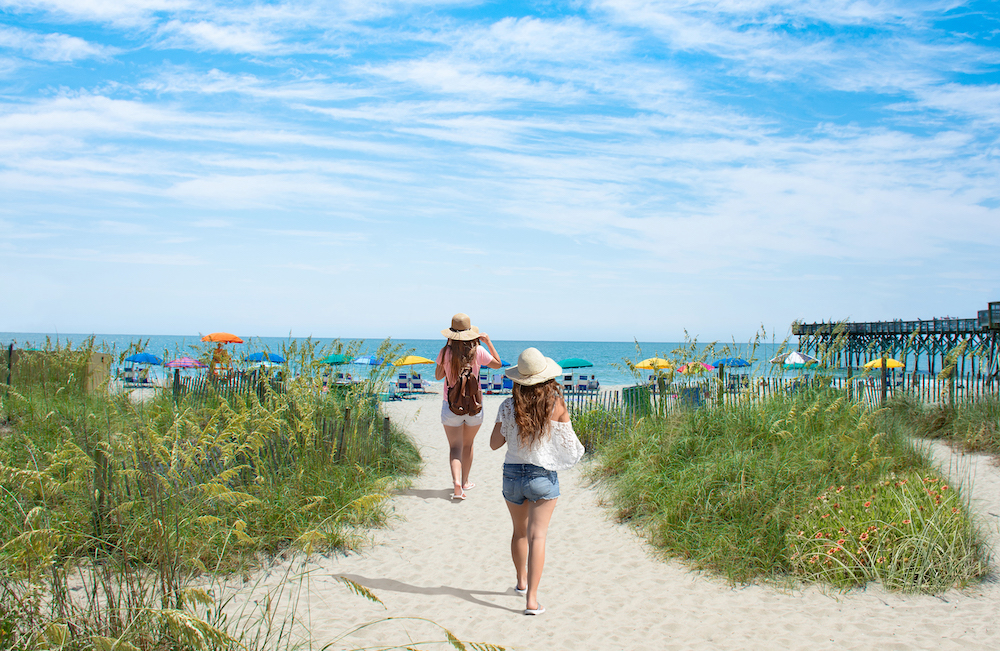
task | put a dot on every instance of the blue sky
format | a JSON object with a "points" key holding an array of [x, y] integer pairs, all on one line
{"points": [[591, 170]]}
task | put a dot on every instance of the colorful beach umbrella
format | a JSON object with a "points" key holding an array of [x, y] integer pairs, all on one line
{"points": [[889, 363], [794, 359], [144, 358], [654, 363], [695, 367], [184, 362], [274, 358], [222, 338], [574, 362], [368, 360], [336, 358], [412, 360]]}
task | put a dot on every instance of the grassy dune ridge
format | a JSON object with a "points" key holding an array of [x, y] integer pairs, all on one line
{"points": [[735, 490], [132, 501]]}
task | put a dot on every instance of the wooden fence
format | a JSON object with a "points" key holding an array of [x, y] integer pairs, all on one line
{"points": [[647, 399]]}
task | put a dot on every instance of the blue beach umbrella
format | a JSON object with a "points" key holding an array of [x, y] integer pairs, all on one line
{"points": [[732, 362], [274, 358], [144, 358], [368, 360]]}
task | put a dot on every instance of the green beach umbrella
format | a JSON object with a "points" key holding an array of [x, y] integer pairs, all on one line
{"points": [[336, 358], [574, 362]]}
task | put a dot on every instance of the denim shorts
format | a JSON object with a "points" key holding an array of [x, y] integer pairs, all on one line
{"points": [[451, 419], [523, 481]]}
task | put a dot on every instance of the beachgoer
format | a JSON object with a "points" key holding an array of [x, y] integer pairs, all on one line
{"points": [[220, 360], [527, 422], [462, 350]]}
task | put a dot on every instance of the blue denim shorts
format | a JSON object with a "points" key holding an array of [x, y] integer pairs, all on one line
{"points": [[524, 481]]}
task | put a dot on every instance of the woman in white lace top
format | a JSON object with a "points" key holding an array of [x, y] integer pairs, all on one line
{"points": [[535, 426]]}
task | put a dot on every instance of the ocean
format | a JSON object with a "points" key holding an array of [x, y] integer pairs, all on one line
{"points": [[608, 357]]}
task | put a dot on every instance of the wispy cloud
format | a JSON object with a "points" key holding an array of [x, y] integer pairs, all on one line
{"points": [[52, 47]]}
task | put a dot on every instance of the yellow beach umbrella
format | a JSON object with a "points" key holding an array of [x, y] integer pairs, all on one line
{"points": [[889, 363], [654, 362], [411, 360]]}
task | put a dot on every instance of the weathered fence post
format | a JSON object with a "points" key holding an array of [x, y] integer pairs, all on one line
{"points": [[102, 476], [885, 387], [850, 385], [344, 425], [385, 433]]}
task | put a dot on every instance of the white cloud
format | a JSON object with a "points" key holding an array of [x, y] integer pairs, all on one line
{"points": [[206, 35], [52, 47]]}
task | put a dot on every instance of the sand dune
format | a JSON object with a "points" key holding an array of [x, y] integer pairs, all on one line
{"points": [[447, 563]]}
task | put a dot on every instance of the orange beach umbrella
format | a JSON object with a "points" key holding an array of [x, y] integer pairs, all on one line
{"points": [[222, 337]]}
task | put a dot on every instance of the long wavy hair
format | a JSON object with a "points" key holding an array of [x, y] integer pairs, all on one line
{"points": [[532, 410], [462, 354]]}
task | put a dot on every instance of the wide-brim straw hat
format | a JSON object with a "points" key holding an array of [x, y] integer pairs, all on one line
{"points": [[461, 328], [533, 368]]}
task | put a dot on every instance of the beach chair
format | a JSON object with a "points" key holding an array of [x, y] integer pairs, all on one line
{"points": [[496, 384], [508, 384], [567, 383], [402, 376], [582, 384], [417, 384], [484, 380], [403, 385], [594, 384]]}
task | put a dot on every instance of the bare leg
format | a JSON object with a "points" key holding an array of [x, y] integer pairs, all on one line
{"points": [[455, 445], [519, 541], [539, 514], [468, 437]]}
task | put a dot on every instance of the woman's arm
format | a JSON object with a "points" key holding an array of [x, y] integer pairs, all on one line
{"points": [[439, 369], [496, 438], [496, 363]]}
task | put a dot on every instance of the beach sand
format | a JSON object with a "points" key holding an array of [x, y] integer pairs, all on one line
{"points": [[446, 563]]}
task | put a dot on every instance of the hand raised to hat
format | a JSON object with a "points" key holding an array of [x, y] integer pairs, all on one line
{"points": [[485, 338]]}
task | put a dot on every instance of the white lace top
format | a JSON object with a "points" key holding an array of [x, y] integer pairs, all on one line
{"points": [[547, 452]]}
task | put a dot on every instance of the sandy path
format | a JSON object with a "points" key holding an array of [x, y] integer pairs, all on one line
{"points": [[449, 562]]}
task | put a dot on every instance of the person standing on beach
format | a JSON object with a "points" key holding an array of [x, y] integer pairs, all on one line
{"points": [[462, 350], [534, 424]]}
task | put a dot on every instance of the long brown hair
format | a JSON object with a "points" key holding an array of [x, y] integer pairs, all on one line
{"points": [[533, 409], [462, 354]]}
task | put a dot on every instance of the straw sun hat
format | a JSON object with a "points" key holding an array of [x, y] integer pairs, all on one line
{"points": [[533, 368], [461, 328]]}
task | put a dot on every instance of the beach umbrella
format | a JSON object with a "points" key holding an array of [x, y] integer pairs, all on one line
{"points": [[732, 362], [143, 358], [889, 363], [654, 363], [336, 358], [412, 360], [695, 367], [368, 360], [222, 338], [274, 358], [574, 362], [795, 359], [184, 362]]}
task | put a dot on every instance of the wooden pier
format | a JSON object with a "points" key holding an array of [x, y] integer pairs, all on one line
{"points": [[946, 341]]}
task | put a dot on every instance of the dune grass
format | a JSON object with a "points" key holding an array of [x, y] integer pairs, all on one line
{"points": [[109, 509], [734, 489], [973, 425]]}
